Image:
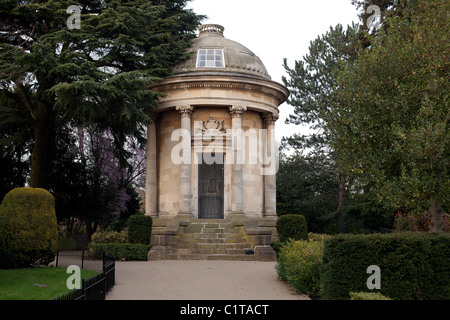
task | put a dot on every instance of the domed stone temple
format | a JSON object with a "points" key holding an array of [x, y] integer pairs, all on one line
{"points": [[211, 156]]}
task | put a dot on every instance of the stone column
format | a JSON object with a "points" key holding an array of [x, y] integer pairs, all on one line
{"points": [[270, 184], [185, 168], [151, 174], [237, 183]]}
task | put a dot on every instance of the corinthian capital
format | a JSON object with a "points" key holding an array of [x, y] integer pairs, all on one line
{"points": [[186, 111], [271, 118], [237, 111]]}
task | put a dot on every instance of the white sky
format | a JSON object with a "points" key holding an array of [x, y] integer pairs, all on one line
{"points": [[275, 30]]}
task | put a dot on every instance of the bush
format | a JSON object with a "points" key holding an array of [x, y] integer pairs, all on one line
{"points": [[139, 229], [318, 236], [276, 246], [110, 237], [120, 251], [414, 265], [367, 296], [292, 226], [299, 265], [28, 228]]}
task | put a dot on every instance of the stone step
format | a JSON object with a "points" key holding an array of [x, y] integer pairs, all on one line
{"points": [[229, 257], [197, 229], [210, 250], [214, 246]]}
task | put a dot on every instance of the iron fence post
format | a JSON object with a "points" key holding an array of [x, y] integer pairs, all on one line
{"points": [[83, 289]]}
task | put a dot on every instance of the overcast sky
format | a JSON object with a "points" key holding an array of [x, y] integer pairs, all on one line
{"points": [[275, 30]]}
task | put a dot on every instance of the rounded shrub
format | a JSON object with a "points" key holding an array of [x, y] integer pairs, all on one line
{"points": [[28, 228], [292, 226], [139, 229]]}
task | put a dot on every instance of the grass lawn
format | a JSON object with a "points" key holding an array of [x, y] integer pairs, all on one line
{"points": [[23, 284]]}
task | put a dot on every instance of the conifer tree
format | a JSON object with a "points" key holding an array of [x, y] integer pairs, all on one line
{"points": [[91, 64]]}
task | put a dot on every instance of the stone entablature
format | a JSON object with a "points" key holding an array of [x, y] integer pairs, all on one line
{"points": [[221, 90]]}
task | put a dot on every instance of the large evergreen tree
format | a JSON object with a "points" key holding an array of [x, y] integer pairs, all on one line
{"points": [[98, 73], [391, 124], [312, 84]]}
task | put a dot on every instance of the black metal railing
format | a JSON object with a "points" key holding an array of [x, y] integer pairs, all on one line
{"points": [[65, 258], [96, 287]]}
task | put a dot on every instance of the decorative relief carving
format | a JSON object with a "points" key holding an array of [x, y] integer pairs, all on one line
{"points": [[212, 127]]}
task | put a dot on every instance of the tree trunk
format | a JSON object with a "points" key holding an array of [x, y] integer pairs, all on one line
{"points": [[43, 143], [89, 227], [435, 211], [341, 201]]}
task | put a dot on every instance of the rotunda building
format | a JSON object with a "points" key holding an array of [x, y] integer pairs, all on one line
{"points": [[211, 145]]}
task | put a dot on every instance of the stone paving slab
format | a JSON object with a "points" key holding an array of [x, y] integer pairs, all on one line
{"points": [[199, 280]]}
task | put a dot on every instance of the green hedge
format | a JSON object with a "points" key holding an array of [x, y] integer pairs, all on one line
{"points": [[28, 228], [120, 251], [139, 229], [292, 226], [277, 245], [110, 237], [414, 265], [367, 296], [299, 265]]}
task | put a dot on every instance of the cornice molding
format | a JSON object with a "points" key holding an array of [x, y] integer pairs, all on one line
{"points": [[227, 82]]}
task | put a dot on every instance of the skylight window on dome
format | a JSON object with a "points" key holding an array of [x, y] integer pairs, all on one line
{"points": [[210, 58]]}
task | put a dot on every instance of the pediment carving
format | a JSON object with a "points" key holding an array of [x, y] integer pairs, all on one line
{"points": [[212, 127]]}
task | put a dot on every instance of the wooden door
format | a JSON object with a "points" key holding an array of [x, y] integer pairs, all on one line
{"points": [[210, 191]]}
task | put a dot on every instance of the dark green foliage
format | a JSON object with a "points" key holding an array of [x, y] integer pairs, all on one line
{"points": [[276, 246], [292, 226], [413, 265], [28, 228], [307, 186], [139, 229], [120, 251], [15, 144], [97, 74]]}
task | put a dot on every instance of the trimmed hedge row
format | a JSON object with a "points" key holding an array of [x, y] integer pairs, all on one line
{"points": [[120, 251], [139, 229], [414, 265], [110, 237], [133, 244]]}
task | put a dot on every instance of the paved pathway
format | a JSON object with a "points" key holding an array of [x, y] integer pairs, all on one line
{"points": [[199, 280]]}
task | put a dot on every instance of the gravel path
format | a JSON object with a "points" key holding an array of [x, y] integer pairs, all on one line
{"points": [[199, 280]]}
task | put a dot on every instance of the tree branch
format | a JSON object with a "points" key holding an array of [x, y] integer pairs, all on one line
{"points": [[21, 106], [28, 102]]}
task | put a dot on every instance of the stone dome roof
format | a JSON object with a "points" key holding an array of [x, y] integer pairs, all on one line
{"points": [[237, 58]]}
